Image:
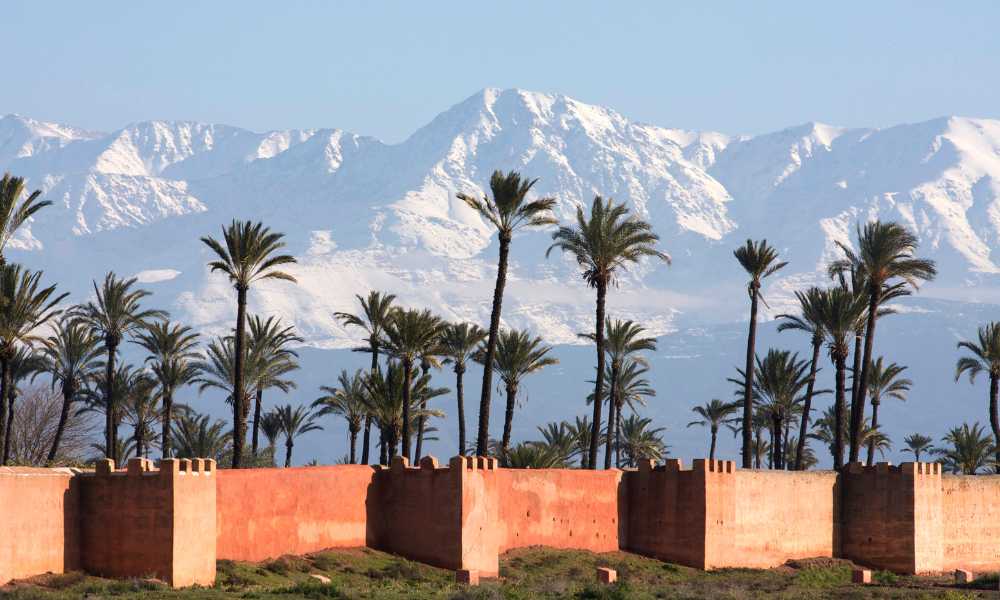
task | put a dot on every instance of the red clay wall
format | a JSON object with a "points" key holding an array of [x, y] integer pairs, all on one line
{"points": [[39, 522], [561, 508], [666, 513], [971, 510], [265, 513]]}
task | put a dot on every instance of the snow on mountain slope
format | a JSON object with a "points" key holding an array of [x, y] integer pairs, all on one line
{"points": [[363, 214]]}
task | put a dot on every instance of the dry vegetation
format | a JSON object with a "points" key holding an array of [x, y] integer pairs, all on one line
{"points": [[525, 574]]}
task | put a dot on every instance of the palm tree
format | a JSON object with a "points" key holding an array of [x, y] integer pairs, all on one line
{"points": [[173, 360], [195, 436], [518, 355], [640, 442], [12, 214], [347, 400], [115, 314], [24, 364], [809, 321], [602, 246], [385, 401], [622, 340], [985, 358], [885, 256], [917, 444], [808, 459], [69, 356], [268, 349], [824, 430], [458, 342], [508, 211], [884, 382], [760, 261], [375, 312], [969, 450], [839, 312], [250, 255], [406, 336], [294, 423], [141, 408], [713, 414], [581, 429], [24, 306], [532, 455], [270, 426], [560, 439], [428, 355]]}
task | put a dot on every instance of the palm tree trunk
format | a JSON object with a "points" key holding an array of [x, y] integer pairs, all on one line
{"points": [[483, 437], [612, 421], [460, 393], [800, 448], [871, 442], [856, 369], [288, 454], [10, 424], [618, 435], [508, 419], [748, 384], [365, 443], [857, 416], [407, 368], [68, 394], [711, 448], [110, 440], [994, 419], [422, 422], [239, 424], [602, 293], [258, 404], [4, 368], [353, 433], [383, 455], [838, 413], [168, 420]]}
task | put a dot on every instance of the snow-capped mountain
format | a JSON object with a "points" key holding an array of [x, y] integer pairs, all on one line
{"points": [[360, 214]]}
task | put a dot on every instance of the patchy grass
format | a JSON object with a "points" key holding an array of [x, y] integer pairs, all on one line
{"points": [[526, 574]]}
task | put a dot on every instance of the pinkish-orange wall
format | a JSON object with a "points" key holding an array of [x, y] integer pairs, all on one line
{"points": [[561, 508], [666, 513], [971, 514], [265, 513], [39, 522]]}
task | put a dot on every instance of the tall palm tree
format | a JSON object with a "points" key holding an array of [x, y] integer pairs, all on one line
{"points": [[759, 260], [969, 449], [268, 348], [604, 245], [24, 306], [250, 254], [917, 444], [640, 441], [295, 422], [518, 355], [141, 410], [173, 360], [406, 336], [581, 429], [631, 390], [12, 213], [885, 258], [127, 379], [713, 414], [115, 314], [824, 430], [839, 312], [68, 355], [347, 400], [428, 355], [385, 399], [985, 357], [196, 436], [808, 321], [808, 459], [375, 311], [623, 340], [24, 364], [508, 211], [458, 343], [884, 382]]}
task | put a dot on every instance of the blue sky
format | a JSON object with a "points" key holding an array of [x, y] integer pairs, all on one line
{"points": [[386, 68]]}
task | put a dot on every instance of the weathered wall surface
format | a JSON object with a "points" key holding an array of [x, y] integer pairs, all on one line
{"points": [[39, 522], [666, 513], [779, 515], [561, 508], [971, 514], [265, 513]]}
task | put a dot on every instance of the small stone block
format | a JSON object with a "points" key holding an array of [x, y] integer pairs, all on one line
{"points": [[185, 465], [169, 467], [104, 466], [428, 462], [467, 576], [605, 575], [197, 465], [674, 464], [646, 465], [209, 465], [862, 576], [136, 466], [963, 576], [398, 463], [482, 463]]}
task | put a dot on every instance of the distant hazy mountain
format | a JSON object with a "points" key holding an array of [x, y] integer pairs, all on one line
{"points": [[362, 214]]}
